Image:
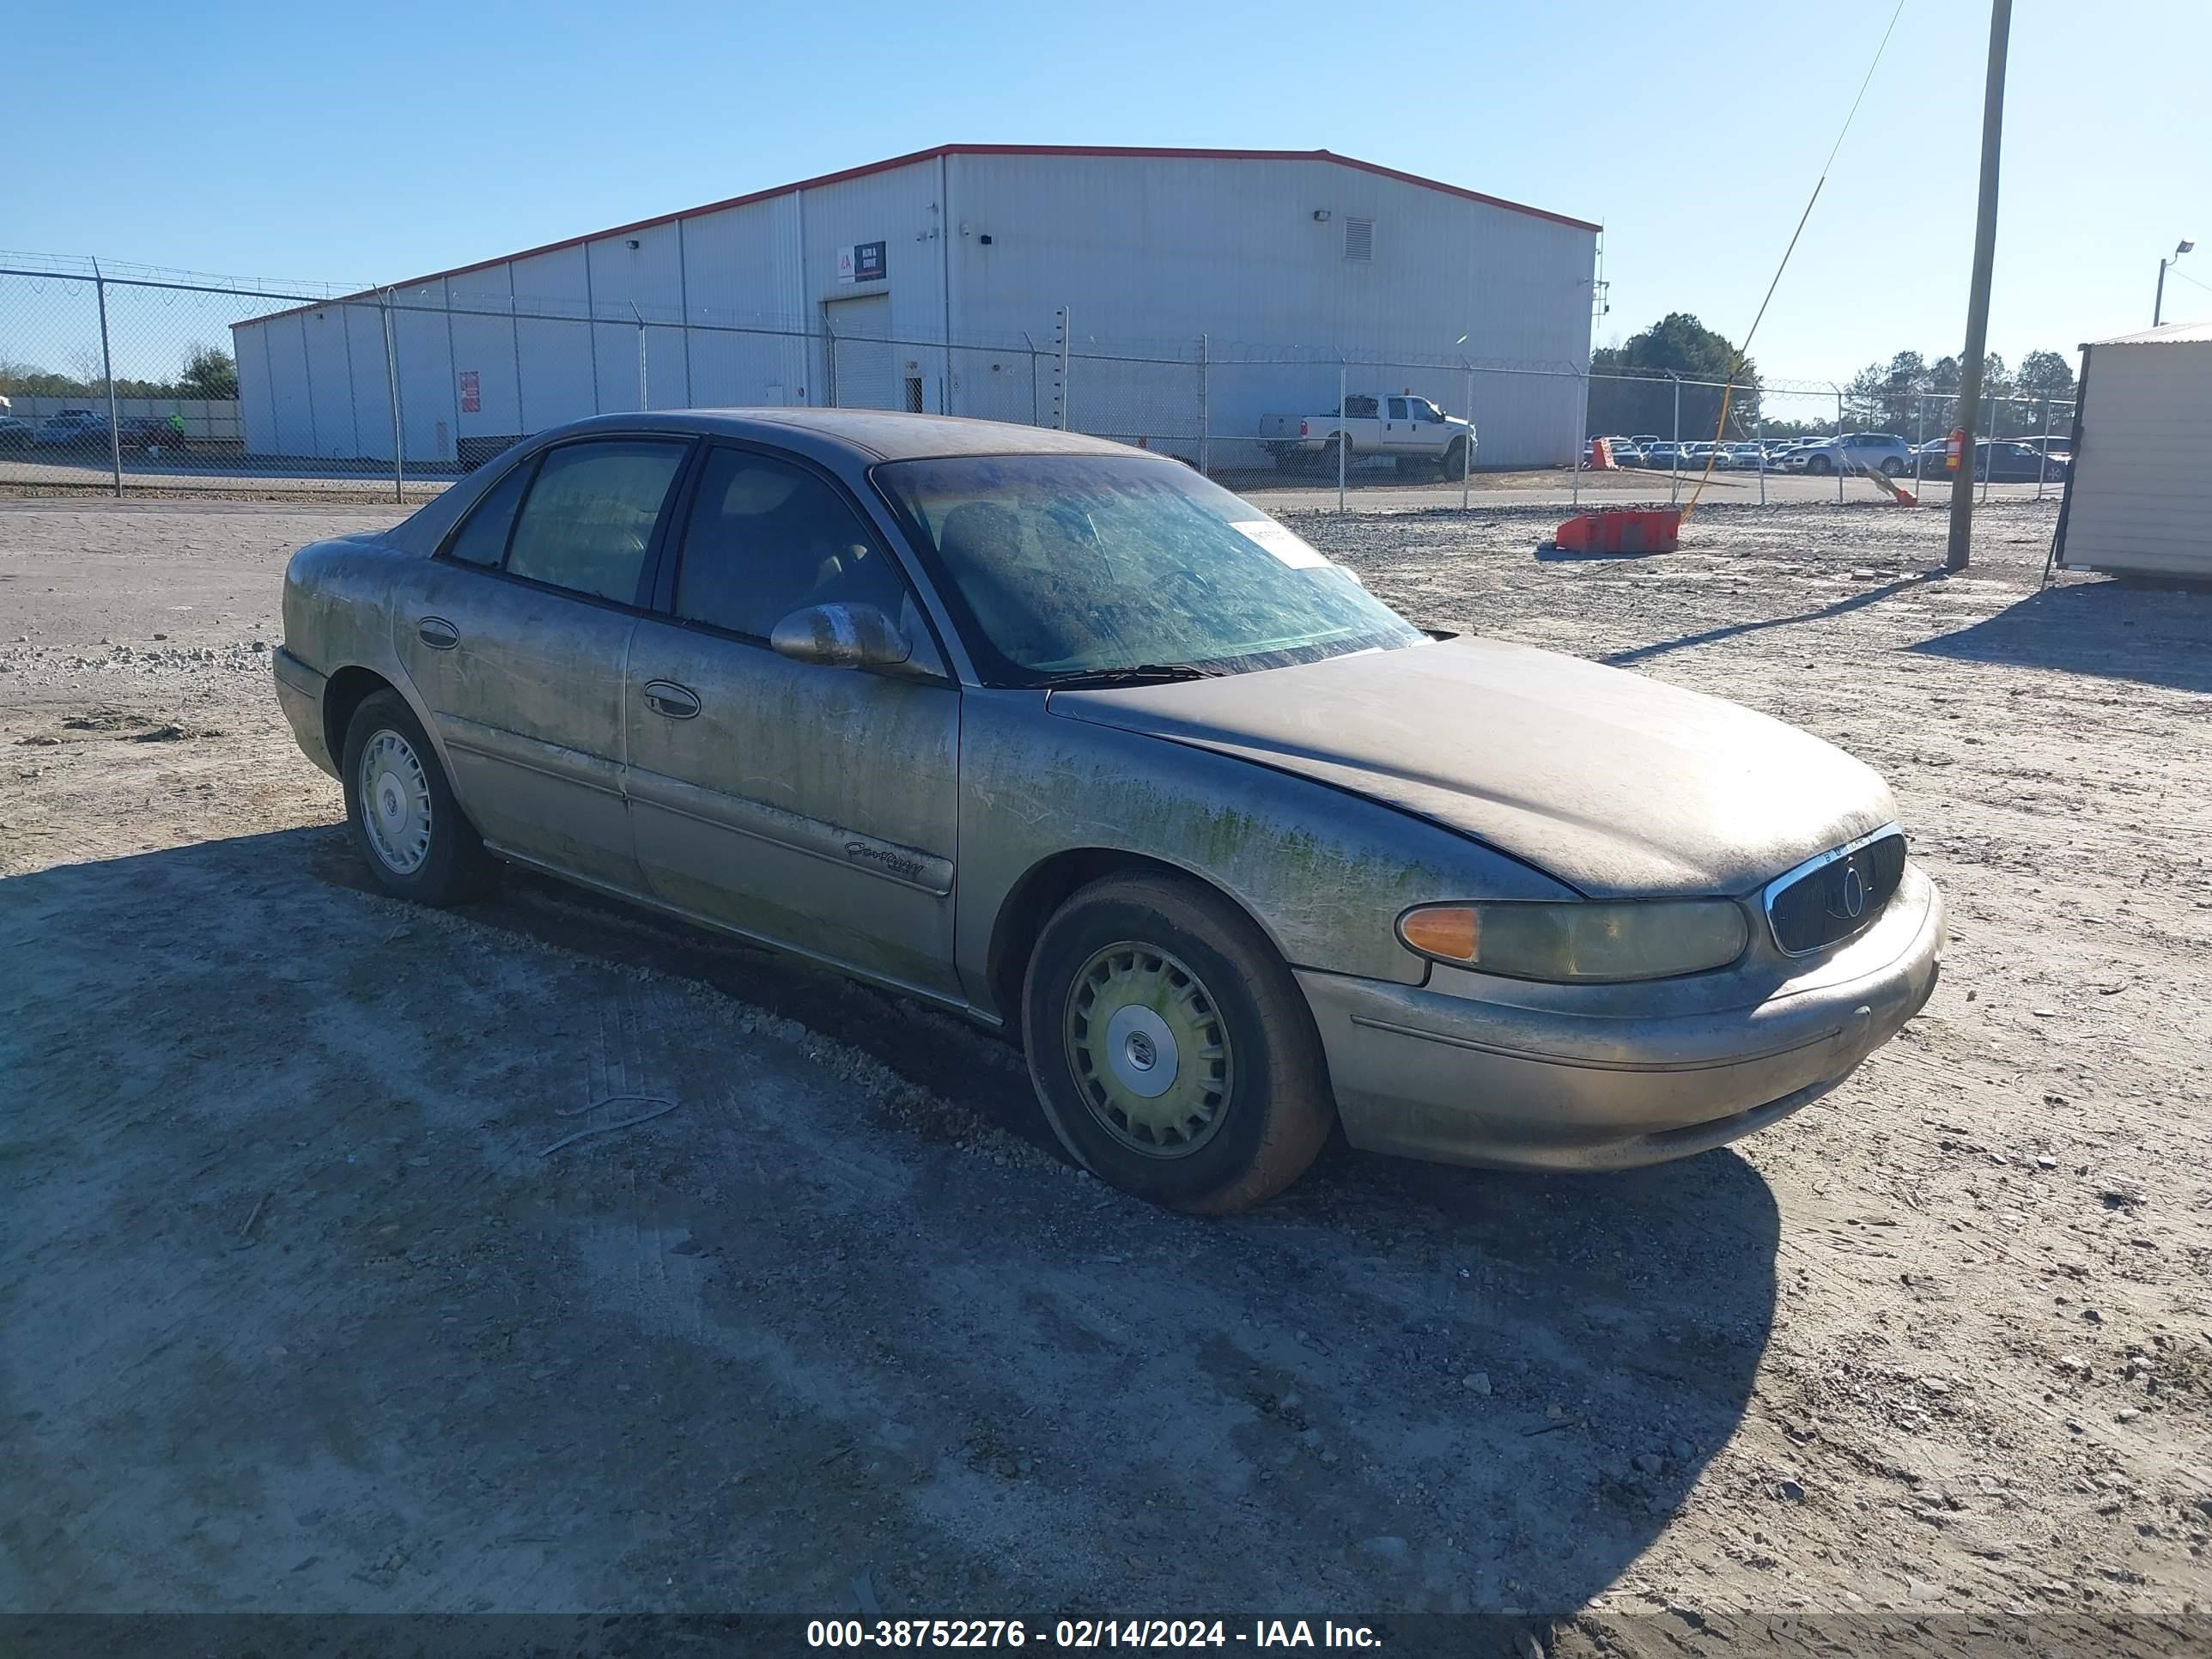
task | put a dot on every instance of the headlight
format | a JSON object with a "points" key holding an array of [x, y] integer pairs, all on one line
{"points": [[1597, 941]]}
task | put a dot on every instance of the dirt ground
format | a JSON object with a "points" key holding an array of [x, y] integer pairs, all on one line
{"points": [[313, 1300]]}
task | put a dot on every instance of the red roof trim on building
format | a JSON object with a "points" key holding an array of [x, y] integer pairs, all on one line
{"points": [[1128, 152]]}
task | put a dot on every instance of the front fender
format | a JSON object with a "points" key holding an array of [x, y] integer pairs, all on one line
{"points": [[1324, 872]]}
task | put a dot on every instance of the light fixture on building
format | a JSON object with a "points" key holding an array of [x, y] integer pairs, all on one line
{"points": [[1320, 216]]}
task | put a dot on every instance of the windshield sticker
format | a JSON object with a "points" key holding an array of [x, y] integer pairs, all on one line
{"points": [[1283, 543]]}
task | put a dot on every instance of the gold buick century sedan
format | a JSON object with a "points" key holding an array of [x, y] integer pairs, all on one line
{"points": [[1059, 735]]}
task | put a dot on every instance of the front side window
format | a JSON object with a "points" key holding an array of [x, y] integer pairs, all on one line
{"points": [[482, 538], [1397, 409], [1059, 565], [767, 538], [587, 525]]}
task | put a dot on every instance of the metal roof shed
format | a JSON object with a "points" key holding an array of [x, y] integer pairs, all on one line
{"points": [[2139, 496]]}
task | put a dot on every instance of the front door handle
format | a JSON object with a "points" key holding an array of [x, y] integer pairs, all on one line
{"points": [[437, 633], [678, 703]]}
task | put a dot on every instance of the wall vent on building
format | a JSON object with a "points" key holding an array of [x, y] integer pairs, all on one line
{"points": [[1358, 239]]}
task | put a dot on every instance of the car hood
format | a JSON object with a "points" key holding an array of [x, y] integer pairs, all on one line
{"points": [[1617, 785]]}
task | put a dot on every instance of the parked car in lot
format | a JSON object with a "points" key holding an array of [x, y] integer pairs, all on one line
{"points": [[1853, 452], [72, 429], [1064, 738], [1409, 430], [2015, 462], [1741, 458], [86, 430], [2007, 462], [15, 432], [1663, 455]]}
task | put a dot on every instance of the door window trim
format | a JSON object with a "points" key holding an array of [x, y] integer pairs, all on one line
{"points": [[527, 466], [680, 485]]}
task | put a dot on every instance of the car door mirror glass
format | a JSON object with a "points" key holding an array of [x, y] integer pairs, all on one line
{"points": [[840, 635]]}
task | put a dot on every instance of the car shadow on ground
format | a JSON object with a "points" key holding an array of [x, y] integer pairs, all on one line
{"points": [[2119, 630], [297, 1142]]}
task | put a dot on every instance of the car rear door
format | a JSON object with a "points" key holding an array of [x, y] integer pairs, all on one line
{"points": [[812, 807], [517, 639], [1397, 427]]}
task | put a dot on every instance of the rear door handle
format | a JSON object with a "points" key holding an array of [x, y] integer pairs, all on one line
{"points": [[437, 633], [678, 703]]}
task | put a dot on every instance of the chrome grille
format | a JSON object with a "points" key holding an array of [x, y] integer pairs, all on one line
{"points": [[1825, 901]]}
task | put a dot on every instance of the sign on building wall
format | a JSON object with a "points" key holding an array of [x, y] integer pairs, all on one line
{"points": [[863, 262], [471, 392]]}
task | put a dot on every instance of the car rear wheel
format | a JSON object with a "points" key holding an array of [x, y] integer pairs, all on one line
{"points": [[405, 823], [1172, 1050]]}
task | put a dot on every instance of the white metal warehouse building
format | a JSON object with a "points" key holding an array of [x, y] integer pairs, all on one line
{"points": [[2138, 495], [1199, 286]]}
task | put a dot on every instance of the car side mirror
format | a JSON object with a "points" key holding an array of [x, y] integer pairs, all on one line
{"points": [[841, 636]]}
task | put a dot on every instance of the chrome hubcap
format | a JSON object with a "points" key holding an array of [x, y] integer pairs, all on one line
{"points": [[1149, 1050], [395, 803]]}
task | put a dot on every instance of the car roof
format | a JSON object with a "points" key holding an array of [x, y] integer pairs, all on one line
{"points": [[868, 434], [848, 440]]}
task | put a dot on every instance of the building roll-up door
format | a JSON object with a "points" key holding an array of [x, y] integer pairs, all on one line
{"points": [[860, 353]]}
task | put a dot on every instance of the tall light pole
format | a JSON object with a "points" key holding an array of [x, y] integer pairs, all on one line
{"points": [[1978, 299], [2158, 306]]}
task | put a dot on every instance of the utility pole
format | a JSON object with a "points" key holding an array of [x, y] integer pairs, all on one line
{"points": [[1977, 302]]}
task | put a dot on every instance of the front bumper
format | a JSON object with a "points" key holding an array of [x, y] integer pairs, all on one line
{"points": [[1458, 1080], [300, 695]]}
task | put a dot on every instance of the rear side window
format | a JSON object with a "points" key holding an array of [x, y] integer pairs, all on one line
{"points": [[767, 538], [587, 525], [483, 536]]}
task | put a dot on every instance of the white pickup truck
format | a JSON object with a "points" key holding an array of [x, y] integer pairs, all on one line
{"points": [[1412, 431]]}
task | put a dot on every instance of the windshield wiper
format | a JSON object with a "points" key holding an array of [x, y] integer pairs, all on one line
{"points": [[1142, 673]]}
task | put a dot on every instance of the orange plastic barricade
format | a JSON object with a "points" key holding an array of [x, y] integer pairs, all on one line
{"points": [[1622, 529]]}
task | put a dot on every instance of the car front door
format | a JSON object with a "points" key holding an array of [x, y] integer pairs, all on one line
{"points": [[812, 807], [517, 636]]}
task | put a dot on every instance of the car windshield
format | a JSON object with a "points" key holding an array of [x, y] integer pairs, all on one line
{"points": [[1068, 565]]}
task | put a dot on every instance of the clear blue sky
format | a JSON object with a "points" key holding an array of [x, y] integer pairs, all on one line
{"points": [[375, 143]]}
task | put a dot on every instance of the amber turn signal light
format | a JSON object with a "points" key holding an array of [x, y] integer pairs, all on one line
{"points": [[1449, 931]]}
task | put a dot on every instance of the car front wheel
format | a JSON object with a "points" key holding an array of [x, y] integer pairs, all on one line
{"points": [[1821, 464], [405, 823], [1172, 1052], [1890, 467]]}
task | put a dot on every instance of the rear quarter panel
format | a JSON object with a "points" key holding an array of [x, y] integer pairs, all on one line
{"points": [[337, 612]]}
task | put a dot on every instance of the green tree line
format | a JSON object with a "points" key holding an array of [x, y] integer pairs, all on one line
{"points": [[1908, 394], [206, 371]]}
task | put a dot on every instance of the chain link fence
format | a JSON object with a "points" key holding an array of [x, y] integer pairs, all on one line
{"points": [[1821, 431], [123, 378]]}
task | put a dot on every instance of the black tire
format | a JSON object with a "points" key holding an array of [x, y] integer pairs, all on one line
{"points": [[1892, 467], [1276, 1108], [1455, 461], [452, 862], [1821, 464], [1338, 455]]}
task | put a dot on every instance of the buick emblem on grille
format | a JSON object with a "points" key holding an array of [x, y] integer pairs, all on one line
{"points": [[1849, 894]]}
